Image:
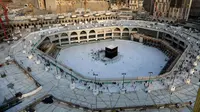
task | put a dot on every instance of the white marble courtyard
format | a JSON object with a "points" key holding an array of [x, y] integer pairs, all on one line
{"points": [[134, 59]]}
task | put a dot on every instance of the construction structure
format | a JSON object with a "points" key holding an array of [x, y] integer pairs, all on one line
{"points": [[4, 13]]}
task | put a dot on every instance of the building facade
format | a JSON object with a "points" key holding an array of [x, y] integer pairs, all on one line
{"points": [[41, 4], [195, 9], [63, 6], [148, 5], [136, 5], [172, 9], [38, 22]]}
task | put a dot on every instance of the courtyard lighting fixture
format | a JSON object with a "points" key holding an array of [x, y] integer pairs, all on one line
{"points": [[37, 62], [72, 85], [192, 71], [95, 92], [150, 73], [47, 68], [172, 88], [198, 57], [148, 90], [30, 56], [8, 58], [123, 74], [195, 63], [15, 38], [25, 46], [30, 41], [187, 81], [35, 38], [95, 75], [24, 51], [123, 91], [58, 76]]}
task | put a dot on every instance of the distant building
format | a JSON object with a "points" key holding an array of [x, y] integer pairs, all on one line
{"points": [[125, 13], [136, 5], [195, 9], [148, 5], [41, 4], [62, 6], [161, 8], [175, 10]]}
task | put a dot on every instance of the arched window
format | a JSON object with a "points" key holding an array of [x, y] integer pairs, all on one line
{"points": [[64, 35], [56, 36], [73, 33], [134, 29], [83, 32], [92, 31], [125, 29], [116, 29]]}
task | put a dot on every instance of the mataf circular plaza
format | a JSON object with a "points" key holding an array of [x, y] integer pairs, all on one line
{"points": [[127, 65]]}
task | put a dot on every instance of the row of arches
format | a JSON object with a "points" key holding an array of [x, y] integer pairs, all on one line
{"points": [[92, 34], [59, 21], [125, 29], [162, 21]]}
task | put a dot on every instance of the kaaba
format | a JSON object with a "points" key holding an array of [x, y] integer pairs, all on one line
{"points": [[111, 51]]}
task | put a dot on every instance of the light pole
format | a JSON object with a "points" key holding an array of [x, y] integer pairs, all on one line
{"points": [[95, 75], [150, 73], [123, 80]]}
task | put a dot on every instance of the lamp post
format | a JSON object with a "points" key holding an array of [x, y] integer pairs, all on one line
{"points": [[56, 67], [123, 80], [150, 73], [95, 75]]}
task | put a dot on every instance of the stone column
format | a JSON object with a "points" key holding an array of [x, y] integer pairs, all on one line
{"points": [[59, 39], [69, 39], [104, 33], [87, 32], [78, 37], [96, 35], [157, 34], [112, 33]]}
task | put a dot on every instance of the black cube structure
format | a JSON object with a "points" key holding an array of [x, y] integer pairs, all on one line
{"points": [[111, 51]]}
